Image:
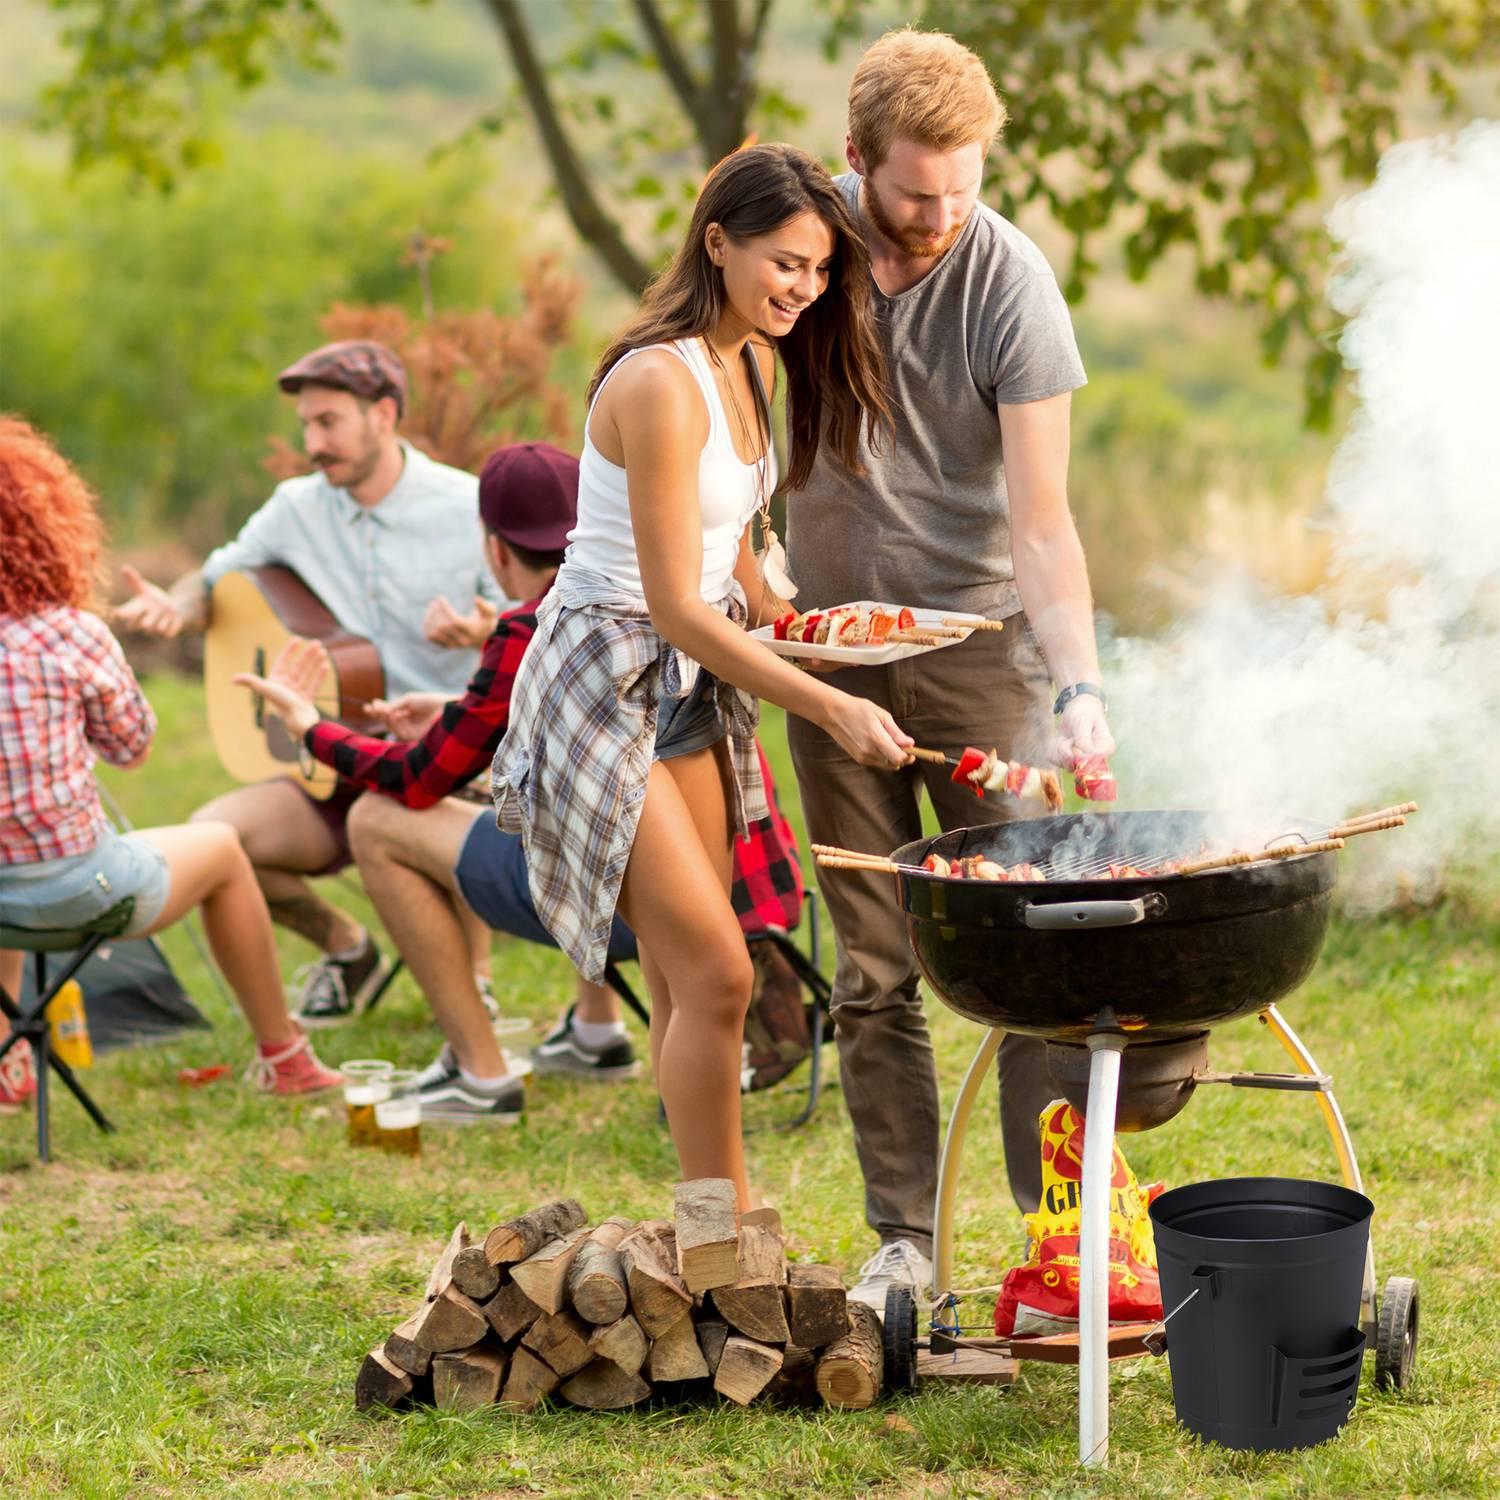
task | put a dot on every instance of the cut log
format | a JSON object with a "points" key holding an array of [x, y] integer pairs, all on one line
{"points": [[507, 1243], [467, 1380], [754, 1304], [403, 1350], [712, 1334], [604, 1386], [816, 1311], [380, 1383], [675, 1355], [658, 1295], [511, 1312], [544, 1276], [451, 1321], [562, 1339], [796, 1382], [596, 1279], [707, 1225], [473, 1274], [850, 1369], [621, 1341], [745, 1370], [442, 1272], [528, 1382]]}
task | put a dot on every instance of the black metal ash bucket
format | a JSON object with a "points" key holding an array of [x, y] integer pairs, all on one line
{"points": [[1262, 1279]]}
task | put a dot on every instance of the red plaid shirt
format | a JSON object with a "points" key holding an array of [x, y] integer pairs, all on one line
{"points": [[767, 877], [67, 697], [459, 745]]}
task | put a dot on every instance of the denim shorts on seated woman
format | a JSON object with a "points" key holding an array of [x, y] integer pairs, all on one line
{"points": [[57, 894]]}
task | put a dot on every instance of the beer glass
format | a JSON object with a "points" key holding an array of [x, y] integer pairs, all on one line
{"points": [[398, 1117], [366, 1083]]}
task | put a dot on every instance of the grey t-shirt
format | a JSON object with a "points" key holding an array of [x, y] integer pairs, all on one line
{"points": [[929, 524]]}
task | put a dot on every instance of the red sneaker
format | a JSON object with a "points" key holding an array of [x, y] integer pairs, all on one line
{"points": [[17, 1078], [292, 1069]]}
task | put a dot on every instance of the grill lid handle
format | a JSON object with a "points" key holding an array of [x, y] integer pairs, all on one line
{"points": [[1066, 916]]}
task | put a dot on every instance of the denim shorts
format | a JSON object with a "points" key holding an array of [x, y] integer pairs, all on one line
{"points": [[491, 874], [56, 894], [685, 725]]}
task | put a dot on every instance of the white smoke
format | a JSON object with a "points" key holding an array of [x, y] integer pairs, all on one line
{"points": [[1282, 708]]}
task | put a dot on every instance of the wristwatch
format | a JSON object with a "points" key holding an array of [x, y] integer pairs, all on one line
{"points": [[1077, 690]]}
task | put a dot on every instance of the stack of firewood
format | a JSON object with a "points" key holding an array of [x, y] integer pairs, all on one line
{"points": [[603, 1317]]}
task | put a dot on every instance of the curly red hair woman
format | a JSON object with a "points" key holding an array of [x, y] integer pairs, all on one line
{"points": [[68, 698]]}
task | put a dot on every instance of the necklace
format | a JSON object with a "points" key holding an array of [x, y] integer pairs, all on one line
{"points": [[772, 555]]}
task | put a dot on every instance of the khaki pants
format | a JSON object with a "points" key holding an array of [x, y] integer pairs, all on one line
{"points": [[990, 691]]}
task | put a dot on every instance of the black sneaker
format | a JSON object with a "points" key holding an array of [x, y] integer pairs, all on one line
{"points": [[560, 1051], [336, 989], [448, 1099]]}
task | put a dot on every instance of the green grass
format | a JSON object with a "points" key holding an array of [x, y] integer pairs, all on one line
{"points": [[185, 1303]]}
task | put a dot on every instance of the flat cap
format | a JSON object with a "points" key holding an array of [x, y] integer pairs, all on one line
{"points": [[359, 366]]}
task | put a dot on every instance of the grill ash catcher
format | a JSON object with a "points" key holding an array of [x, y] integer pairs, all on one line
{"points": [[1124, 978]]}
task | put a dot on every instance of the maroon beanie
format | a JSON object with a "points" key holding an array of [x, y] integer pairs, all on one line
{"points": [[528, 494]]}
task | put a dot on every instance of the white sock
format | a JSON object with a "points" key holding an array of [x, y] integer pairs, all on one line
{"points": [[484, 1085], [347, 955], [597, 1035]]}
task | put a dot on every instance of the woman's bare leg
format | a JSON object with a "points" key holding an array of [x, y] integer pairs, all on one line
{"points": [[210, 868], [676, 900]]}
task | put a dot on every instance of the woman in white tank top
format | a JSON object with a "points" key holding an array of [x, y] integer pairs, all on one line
{"points": [[629, 764]]}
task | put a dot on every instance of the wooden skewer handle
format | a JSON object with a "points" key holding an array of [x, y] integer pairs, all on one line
{"points": [[1377, 825], [914, 638], [842, 853], [1291, 851], [1217, 862], [843, 862], [1398, 811], [936, 757], [992, 625]]}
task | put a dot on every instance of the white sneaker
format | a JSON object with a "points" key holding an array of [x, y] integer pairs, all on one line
{"points": [[899, 1263]]}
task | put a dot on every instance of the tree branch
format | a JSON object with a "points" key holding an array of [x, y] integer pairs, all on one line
{"points": [[583, 206], [690, 93], [733, 66]]}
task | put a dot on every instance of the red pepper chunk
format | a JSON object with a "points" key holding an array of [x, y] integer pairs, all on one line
{"points": [[906, 620], [1093, 780], [969, 762], [779, 628]]}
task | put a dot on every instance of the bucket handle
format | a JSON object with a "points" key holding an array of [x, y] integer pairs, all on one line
{"points": [[1206, 1279]]}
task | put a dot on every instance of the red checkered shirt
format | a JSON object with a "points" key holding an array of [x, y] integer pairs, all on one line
{"points": [[67, 698], [457, 747], [768, 886]]}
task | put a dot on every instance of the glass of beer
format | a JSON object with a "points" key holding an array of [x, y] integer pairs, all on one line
{"points": [[398, 1117], [366, 1083]]}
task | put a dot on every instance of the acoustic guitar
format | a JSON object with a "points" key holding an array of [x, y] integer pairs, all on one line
{"points": [[253, 614]]}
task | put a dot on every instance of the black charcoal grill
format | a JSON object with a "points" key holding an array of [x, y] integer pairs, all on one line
{"points": [[1123, 978]]}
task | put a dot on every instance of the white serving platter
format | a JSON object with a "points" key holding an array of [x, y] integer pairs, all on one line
{"points": [[871, 656]]}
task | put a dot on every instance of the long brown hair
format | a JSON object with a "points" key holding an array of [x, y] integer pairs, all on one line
{"points": [[50, 531], [834, 365]]}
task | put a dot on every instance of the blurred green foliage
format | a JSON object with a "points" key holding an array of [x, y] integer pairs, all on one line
{"points": [[146, 332]]}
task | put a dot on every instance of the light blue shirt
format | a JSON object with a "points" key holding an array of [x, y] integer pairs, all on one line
{"points": [[377, 568]]}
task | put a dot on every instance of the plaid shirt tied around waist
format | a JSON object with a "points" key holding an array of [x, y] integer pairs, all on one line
{"points": [[570, 775]]}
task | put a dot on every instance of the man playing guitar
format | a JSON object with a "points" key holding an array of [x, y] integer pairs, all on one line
{"points": [[385, 537]]}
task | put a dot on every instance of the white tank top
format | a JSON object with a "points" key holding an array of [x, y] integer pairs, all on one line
{"points": [[729, 492]]}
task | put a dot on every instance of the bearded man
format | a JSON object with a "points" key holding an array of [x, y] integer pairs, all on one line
{"points": [[962, 506], [385, 537]]}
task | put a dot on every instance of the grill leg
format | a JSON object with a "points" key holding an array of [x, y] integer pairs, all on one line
{"points": [[1093, 1248], [953, 1147]]}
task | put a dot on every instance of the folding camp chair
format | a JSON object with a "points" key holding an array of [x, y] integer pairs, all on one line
{"points": [[32, 1023]]}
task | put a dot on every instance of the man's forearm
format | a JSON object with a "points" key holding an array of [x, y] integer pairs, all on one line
{"points": [[1053, 580], [190, 596]]}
